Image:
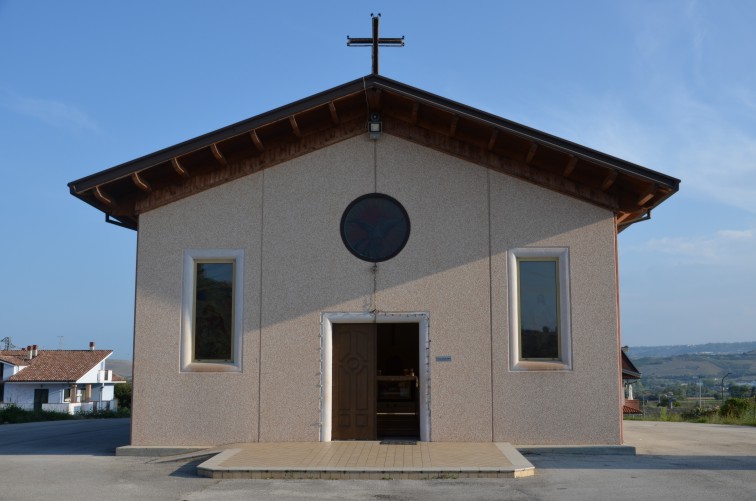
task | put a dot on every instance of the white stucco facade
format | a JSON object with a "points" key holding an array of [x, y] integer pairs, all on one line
{"points": [[466, 219]]}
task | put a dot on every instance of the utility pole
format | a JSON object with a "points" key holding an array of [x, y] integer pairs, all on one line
{"points": [[723, 378], [699, 391]]}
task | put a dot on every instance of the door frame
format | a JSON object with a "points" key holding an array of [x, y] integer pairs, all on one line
{"points": [[326, 361]]}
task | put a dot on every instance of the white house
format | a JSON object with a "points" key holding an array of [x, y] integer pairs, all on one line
{"points": [[376, 261], [57, 380]]}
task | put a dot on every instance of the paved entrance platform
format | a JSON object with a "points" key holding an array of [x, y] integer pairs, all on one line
{"points": [[367, 460]]}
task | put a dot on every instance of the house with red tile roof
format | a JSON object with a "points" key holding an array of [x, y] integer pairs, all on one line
{"points": [[57, 380], [630, 375]]}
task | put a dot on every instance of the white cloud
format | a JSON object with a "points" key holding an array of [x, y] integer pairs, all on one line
{"points": [[697, 248], [736, 234], [723, 247], [51, 112]]}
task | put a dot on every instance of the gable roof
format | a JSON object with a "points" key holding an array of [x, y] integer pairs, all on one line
{"points": [[55, 365], [125, 191], [629, 370], [13, 359]]}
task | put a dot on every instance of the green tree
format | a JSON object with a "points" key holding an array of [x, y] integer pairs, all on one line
{"points": [[734, 408], [123, 395]]}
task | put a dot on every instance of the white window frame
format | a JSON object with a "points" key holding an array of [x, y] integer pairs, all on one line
{"points": [[191, 257], [562, 257]]}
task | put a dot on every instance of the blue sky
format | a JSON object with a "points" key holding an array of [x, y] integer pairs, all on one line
{"points": [[87, 85]]}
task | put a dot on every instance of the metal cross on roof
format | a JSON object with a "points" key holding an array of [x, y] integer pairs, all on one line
{"points": [[375, 42]]}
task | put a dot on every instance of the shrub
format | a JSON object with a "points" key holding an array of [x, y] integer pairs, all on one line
{"points": [[699, 413], [121, 412], [12, 414], [734, 408], [123, 395]]}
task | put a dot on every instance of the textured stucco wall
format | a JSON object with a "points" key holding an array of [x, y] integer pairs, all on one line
{"points": [[174, 408], [286, 219], [577, 406]]}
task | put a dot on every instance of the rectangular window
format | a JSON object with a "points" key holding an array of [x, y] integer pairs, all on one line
{"points": [[539, 309], [212, 309]]}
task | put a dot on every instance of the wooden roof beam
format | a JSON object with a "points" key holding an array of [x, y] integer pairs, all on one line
{"points": [[256, 140], [609, 180], [570, 167], [492, 140], [180, 170], [415, 113], [334, 115], [104, 197], [295, 127], [140, 182], [218, 155], [624, 216], [531, 153], [453, 126], [647, 196], [374, 99]]}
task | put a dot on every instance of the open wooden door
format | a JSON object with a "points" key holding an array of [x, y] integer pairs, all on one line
{"points": [[354, 380]]}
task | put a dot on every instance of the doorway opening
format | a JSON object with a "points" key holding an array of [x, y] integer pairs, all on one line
{"points": [[375, 383], [397, 404], [40, 397]]}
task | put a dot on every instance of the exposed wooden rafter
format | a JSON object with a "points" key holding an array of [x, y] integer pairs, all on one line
{"points": [[453, 126], [501, 163], [374, 99], [272, 155], [624, 216], [531, 153], [570, 167], [492, 140], [415, 112], [647, 196], [256, 140], [627, 190], [104, 197], [295, 126], [609, 180], [334, 115], [218, 155], [180, 170], [140, 182]]}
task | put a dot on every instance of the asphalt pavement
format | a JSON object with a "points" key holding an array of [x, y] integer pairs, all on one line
{"points": [[675, 461]]}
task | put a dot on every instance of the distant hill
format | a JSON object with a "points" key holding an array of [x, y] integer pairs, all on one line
{"points": [[742, 366], [636, 352], [120, 367]]}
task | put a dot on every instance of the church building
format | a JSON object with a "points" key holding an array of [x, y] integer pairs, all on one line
{"points": [[376, 261]]}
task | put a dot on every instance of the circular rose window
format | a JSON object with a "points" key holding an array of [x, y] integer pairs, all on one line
{"points": [[375, 227]]}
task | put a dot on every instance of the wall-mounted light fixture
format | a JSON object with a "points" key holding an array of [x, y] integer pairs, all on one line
{"points": [[375, 126]]}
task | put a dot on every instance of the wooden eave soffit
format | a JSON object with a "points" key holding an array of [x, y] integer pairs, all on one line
{"points": [[484, 155]]}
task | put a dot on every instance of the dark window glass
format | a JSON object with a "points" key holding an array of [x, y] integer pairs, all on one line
{"points": [[375, 227], [539, 309], [213, 311]]}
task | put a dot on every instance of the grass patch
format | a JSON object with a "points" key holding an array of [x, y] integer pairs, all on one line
{"points": [[735, 411]]}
